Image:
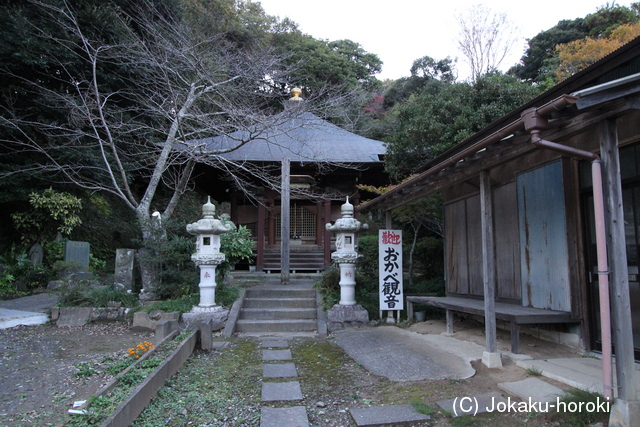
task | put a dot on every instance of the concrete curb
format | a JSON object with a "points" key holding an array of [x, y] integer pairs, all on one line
{"points": [[321, 316], [138, 400], [230, 327]]}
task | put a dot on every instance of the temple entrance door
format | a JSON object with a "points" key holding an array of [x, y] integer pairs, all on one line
{"points": [[302, 223]]}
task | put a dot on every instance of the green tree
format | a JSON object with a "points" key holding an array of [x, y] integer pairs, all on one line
{"points": [[430, 123], [540, 59], [50, 212]]}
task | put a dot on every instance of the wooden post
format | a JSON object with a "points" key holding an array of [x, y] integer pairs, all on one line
{"points": [[619, 272], [488, 263], [284, 217], [260, 235], [271, 223], [319, 224], [327, 233]]}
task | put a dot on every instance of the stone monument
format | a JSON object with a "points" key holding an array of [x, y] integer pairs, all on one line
{"points": [[347, 312], [123, 276], [207, 257]]}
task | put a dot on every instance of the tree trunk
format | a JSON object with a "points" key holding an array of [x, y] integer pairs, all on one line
{"points": [[153, 235]]}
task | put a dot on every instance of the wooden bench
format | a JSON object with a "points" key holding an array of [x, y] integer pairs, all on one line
{"points": [[514, 314]]}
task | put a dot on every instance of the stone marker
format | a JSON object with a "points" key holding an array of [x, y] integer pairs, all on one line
{"points": [[281, 391], [403, 415], [77, 252], [269, 355], [123, 275], [280, 370], [36, 253], [470, 405], [295, 416]]}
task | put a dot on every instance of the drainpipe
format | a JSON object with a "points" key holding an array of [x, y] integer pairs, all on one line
{"points": [[534, 123]]}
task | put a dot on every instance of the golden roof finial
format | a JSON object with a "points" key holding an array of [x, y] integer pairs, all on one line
{"points": [[295, 94]]}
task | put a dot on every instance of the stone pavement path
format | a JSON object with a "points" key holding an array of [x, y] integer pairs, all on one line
{"points": [[277, 354]]}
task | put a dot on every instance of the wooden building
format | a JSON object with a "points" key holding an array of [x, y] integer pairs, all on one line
{"points": [[326, 163], [520, 233]]}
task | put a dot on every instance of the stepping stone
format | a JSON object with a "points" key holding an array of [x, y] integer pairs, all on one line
{"points": [[276, 355], [295, 416], [275, 344], [279, 370], [532, 388], [471, 405], [281, 391], [394, 415]]}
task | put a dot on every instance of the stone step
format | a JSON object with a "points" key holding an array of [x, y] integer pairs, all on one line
{"points": [[277, 314], [279, 293], [245, 325], [279, 303]]}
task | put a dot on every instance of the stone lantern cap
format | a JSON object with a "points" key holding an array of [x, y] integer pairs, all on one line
{"points": [[347, 224], [208, 224]]}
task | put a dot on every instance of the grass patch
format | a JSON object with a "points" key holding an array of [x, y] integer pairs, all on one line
{"points": [[534, 371], [421, 407], [583, 408], [211, 389]]}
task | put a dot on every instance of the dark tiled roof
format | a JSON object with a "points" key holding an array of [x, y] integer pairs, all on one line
{"points": [[302, 137]]}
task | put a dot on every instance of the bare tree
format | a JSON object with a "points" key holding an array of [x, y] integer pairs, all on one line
{"points": [[485, 38], [132, 138]]}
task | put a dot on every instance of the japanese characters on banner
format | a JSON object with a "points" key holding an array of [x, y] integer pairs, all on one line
{"points": [[390, 269]]}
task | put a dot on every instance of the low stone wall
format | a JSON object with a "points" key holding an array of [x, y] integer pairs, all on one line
{"points": [[80, 316], [133, 406]]}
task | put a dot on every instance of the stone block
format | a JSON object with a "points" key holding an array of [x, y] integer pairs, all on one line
{"points": [[279, 370], [295, 416], [341, 316], [164, 328], [216, 315], [206, 335], [74, 316], [272, 355], [394, 415], [281, 391], [147, 322], [275, 343], [108, 313]]}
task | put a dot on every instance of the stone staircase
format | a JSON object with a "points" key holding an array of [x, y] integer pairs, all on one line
{"points": [[301, 258], [272, 309]]}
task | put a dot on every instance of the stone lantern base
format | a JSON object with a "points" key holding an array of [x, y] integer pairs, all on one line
{"points": [[217, 315], [342, 316]]}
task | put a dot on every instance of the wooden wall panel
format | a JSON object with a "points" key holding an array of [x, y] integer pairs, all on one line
{"points": [[505, 212], [543, 239], [456, 248], [474, 246]]}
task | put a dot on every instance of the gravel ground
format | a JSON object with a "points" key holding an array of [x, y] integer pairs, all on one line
{"points": [[39, 367]]}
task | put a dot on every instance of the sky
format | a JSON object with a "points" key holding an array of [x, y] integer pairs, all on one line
{"points": [[400, 31]]}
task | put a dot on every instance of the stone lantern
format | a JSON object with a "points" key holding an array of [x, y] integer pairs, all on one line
{"points": [[207, 257], [346, 230]]}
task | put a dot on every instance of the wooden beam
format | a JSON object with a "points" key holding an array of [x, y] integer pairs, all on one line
{"points": [[488, 262], [284, 217], [260, 235], [619, 272]]}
